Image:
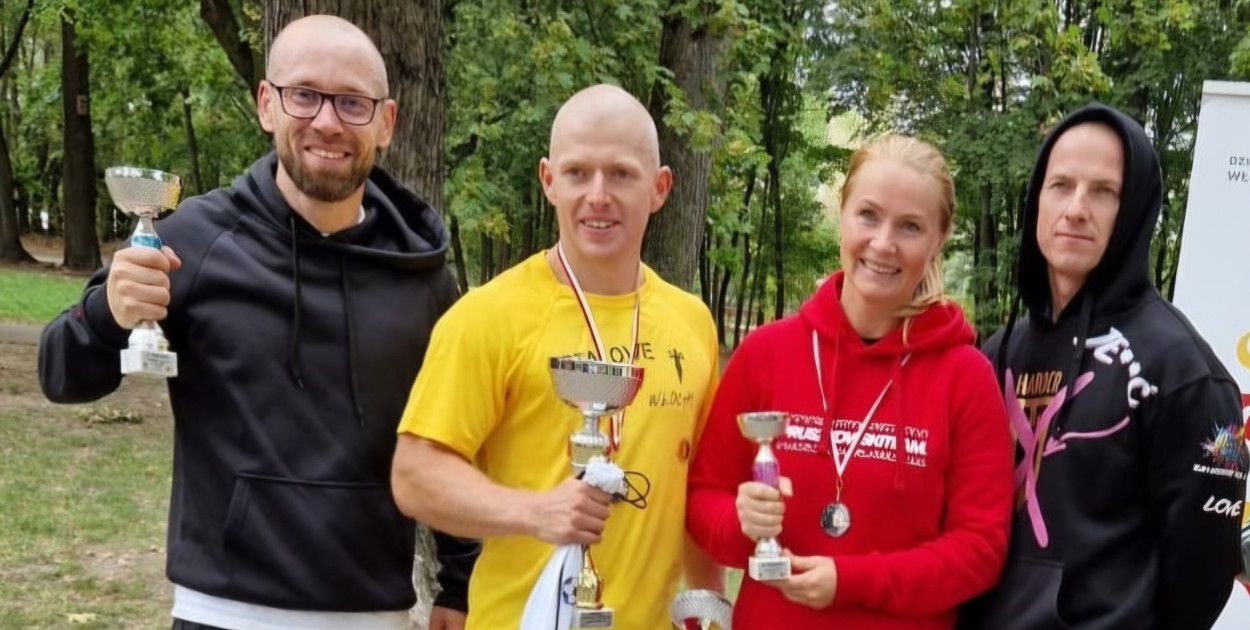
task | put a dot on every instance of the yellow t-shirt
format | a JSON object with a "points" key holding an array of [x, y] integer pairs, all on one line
{"points": [[486, 393]]}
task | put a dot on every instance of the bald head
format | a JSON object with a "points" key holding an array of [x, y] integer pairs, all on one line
{"points": [[329, 38], [601, 107]]}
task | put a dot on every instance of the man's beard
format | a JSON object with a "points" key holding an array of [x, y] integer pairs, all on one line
{"points": [[325, 186]]}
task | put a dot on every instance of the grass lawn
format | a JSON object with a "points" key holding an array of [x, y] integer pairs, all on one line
{"points": [[28, 295], [82, 522]]}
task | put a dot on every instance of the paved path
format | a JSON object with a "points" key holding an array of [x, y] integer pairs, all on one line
{"points": [[11, 332]]}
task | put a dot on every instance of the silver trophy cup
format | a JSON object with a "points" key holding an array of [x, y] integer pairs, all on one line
{"points": [[145, 193], [762, 427], [596, 389], [701, 610]]}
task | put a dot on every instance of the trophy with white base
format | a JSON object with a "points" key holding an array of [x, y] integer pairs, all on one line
{"points": [[762, 427], [701, 609], [596, 389], [145, 193]]}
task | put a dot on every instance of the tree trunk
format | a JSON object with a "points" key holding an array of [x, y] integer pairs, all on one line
{"points": [[193, 148], [11, 249], [672, 243], [705, 283], [757, 296], [779, 225], [457, 249], [248, 62], [486, 259], [985, 258], [744, 287], [82, 248], [549, 220], [410, 37], [740, 298], [723, 293]]}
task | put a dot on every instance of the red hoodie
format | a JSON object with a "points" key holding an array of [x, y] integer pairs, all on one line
{"points": [[927, 532]]}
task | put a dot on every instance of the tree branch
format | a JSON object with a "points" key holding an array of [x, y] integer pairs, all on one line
{"points": [[219, 17], [11, 53]]}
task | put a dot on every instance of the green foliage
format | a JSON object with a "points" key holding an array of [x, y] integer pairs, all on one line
{"points": [[982, 81], [147, 58]]}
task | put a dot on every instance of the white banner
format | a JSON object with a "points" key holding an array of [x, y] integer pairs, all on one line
{"points": [[1213, 277]]}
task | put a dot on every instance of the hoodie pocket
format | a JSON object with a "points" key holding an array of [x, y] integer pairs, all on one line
{"points": [[1026, 598], [334, 546]]}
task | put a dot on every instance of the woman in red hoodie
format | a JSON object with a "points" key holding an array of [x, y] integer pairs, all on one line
{"points": [[897, 458]]}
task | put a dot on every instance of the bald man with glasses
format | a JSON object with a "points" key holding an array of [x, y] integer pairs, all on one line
{"points": [[299, 302]]}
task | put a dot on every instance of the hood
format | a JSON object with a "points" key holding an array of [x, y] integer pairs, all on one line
{"points": [[400, 229], [1122, 277], [939, 327]]}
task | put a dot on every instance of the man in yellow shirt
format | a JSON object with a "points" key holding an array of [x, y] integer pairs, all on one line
{"points": [[483, 442]]}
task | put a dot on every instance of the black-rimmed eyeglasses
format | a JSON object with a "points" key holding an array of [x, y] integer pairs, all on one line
{"points": [[305, 103]]}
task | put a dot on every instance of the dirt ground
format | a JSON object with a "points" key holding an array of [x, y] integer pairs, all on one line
{"points": [[19, 389]]}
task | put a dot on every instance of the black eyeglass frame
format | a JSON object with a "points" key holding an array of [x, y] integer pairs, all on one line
{"points": [[333, 97]]}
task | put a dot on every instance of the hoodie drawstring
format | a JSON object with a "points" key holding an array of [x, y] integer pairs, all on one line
{"points": [[293, 358], [1074, 363], [351, 346], [293, 354]]}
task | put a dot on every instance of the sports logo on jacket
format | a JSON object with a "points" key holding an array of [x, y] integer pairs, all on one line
{"points": [[1040, 401], [1224, 453]]}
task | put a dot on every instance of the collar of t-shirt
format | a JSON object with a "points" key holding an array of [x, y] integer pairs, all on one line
{"points": [[359, 219]]}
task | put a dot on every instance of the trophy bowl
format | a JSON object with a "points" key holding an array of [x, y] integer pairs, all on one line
{"points": [[598, 386], [763, 426], [701, 610], [142, 191]]}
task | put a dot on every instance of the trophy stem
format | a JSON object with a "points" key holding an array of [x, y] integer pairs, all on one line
{"points": [[145, 233], [149, 350], [587, 443], [768, 562]]}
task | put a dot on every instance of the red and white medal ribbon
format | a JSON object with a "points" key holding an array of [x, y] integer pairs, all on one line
{"points": [[840, 463], [617, 425]]}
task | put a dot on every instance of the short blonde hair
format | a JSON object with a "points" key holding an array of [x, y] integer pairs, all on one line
{"points": [[925, 159]]}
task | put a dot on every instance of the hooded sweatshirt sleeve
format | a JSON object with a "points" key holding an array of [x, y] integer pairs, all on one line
{"points": [[723, 461], [968, 556], [78, 351], [456, 557], [1196, 454]]}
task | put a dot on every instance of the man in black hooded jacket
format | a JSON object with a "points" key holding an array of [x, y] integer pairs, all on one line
{"points": [[1131, 460], [300, 306]]}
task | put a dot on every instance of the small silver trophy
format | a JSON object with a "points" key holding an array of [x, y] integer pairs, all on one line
{"points": [[701, 610], [762, 427], [145, 193], [596, 389]]}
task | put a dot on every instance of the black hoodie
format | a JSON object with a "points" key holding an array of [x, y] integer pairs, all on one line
{"points": [[296, 353], [1131, 462]]}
